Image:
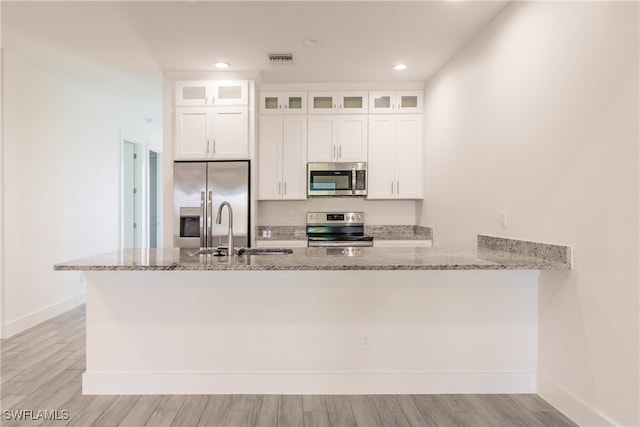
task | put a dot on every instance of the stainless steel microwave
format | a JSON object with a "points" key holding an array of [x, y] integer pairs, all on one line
{"points": [[336, 179]]}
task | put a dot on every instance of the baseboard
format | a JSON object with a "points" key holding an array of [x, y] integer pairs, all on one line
{"points": [[307, 383], [579, 411], [25, 322]]}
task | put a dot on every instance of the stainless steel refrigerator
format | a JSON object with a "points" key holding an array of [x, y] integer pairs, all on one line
{"points": [[198, 190]]}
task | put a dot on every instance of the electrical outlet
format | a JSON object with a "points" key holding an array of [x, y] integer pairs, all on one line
{"points": [[503, 219], [365, 342]]}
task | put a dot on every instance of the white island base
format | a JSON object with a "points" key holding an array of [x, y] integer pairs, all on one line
{"points": [[311, 332]]}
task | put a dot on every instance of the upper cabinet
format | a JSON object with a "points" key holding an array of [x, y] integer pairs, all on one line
{"points": [[283, 103], [338, 102], [406, 101], [203, 133], [216, 93], [334, 138]]}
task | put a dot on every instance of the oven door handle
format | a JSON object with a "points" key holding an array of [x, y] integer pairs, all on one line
{"points": [[340, 244]]}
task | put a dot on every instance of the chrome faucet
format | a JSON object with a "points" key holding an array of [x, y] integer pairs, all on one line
{"points": [[219, 221]]}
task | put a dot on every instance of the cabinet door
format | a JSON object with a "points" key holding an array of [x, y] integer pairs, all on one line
{"points": [[381, 102], [295, 102], [408, 156], [352, 138], [270, 158], [381, 178], [230, 133], [271, 103], [409, 101], [192, 93], [229, 92], [323, 102], [294, 158], [193, 131], [322, 138], [353, 102]]}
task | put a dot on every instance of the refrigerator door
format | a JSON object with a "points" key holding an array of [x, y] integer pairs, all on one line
{"points": [[189, 215], [229, 182]]}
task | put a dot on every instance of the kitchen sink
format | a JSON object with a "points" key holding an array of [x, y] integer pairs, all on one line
{"points": [[264, 251]]}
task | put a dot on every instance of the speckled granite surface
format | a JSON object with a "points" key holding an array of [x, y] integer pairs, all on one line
{"points": [[546, 251], [313, 259], [399, 232], [382, 232]]}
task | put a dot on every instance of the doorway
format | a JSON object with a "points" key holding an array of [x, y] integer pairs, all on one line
{"points": [[131, 195]]}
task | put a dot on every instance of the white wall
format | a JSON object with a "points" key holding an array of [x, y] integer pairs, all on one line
{"points": [[62, 188], [538, 116]]}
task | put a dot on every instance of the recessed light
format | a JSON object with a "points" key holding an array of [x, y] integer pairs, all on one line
{"points": [[221, 65], [312, 42], [400, 67]]}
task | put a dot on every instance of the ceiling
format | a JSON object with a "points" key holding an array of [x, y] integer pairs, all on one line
{"points": [[124, 46]]}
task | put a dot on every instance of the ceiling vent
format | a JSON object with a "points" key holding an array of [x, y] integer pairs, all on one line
{"points": [[281, 58]]}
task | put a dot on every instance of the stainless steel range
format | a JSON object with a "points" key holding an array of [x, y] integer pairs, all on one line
{"points": [[336, 229]]}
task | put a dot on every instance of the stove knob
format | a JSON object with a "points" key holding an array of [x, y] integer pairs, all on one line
{"points": [[359, 217]]}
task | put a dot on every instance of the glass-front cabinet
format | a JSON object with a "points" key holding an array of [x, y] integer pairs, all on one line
{"points": [[283, 103], [338, 102], [407, 101], [216, 93]]}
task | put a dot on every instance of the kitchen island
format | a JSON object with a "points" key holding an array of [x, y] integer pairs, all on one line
{"points": [[402, 320]]}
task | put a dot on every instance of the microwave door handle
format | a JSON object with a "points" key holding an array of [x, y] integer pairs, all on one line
{"points": [[353, 181], [210, 220], [202, 218]]}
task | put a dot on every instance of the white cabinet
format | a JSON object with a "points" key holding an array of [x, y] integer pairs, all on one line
{"points": [[338, 102], [211, 133], [282, 158], [395, 157], [336, 138], [402, 243], [216, 93], [283, 103], [408, 101], [281, 243]]}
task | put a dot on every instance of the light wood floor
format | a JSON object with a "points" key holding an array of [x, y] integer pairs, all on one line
{"points": [[42, 367]]}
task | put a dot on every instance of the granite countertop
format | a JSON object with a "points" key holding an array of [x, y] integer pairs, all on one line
{"points": [[485, 257]]}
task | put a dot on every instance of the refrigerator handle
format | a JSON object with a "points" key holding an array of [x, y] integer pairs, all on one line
{"points": [[210, 220], [202, 219]]}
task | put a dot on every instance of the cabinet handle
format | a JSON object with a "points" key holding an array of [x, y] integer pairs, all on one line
{"points": [[391, 187], [285, 106], [214, 146], [285, 188], [340, 151], [333, 155], [340, 105], [207, 146], [279, 187], [397, 187]]}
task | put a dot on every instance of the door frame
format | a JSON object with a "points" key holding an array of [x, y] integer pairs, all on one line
{"points": [[141, 183]]}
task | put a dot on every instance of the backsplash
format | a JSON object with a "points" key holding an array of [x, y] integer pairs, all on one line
{"points": [[377, 212]]}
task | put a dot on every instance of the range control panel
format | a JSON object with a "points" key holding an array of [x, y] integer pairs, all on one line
{"points": [[335, 218]]}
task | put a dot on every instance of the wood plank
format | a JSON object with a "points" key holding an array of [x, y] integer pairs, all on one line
{"points": [[238, 418], [113, 415], [500, 410], [316, 419], [553, 419], [411, 411], [340, 412], [91, 412], [265, 411], [191, 411], [473, 419], [390, 412], [314, 402], [161, 419], [141, 411], [435, 411], [216, 411], [364, 411], [531, 402], [243, 402], [290, 411]]}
